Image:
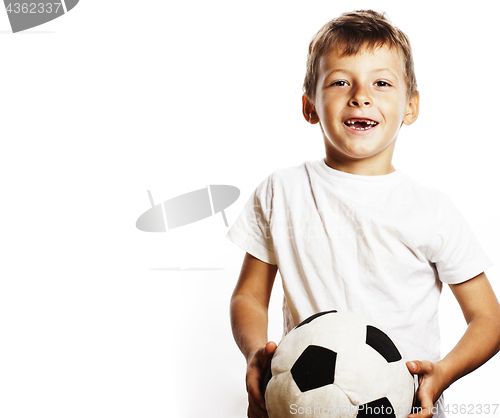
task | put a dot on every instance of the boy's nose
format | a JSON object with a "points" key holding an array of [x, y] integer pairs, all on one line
{"points": [[360, 99]]}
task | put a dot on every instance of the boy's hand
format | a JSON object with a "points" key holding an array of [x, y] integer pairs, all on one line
{"points": [[431, 385], [256, 367], [480, 342]]}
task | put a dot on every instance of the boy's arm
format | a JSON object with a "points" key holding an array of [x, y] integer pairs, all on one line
{"points": [[249, 314], [480, 342]]}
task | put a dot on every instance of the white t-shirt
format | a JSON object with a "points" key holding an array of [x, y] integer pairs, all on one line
{"points": [[379, 246]]}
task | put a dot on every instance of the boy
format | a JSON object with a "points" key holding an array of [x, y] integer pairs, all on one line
{"points": [[350, 232]]}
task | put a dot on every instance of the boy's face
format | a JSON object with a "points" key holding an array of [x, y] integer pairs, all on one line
{"points": [[360, 104]]}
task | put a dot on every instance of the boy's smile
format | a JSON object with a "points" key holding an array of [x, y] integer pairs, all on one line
{"points": [[360, 104]]}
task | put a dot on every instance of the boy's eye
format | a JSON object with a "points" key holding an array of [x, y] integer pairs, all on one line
{"points": [[382, 83], [340, 83]]}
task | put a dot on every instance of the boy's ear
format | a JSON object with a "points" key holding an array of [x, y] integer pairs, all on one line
{"points": [[309, 111], [412, 110]]}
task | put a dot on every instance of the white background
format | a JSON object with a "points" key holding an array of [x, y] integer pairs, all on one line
{"points": [[120, 97]]}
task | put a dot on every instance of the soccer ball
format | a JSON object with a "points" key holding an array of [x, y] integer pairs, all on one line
{"points": [[341, 365]]}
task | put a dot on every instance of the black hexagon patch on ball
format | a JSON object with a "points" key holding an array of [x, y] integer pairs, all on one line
{"points": [[314, 368]]}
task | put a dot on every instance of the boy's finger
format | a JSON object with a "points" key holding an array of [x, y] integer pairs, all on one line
{"points": [[427, 404], [255, 406], [426, 412], [254, 414], [419, 367], [256, 402], [253, 384], [265, 353], [270, 348], [414, 366], [253, 389]]}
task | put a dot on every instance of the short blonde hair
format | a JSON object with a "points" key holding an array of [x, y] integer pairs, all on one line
{"points": [[349, 33]]}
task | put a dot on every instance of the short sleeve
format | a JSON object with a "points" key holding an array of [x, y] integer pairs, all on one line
{"points": [[251, 231], [455, 250]]}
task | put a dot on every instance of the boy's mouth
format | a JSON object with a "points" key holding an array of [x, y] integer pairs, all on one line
{"points": [[360, 124]]}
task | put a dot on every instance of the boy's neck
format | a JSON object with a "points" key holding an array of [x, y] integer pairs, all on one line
{"points": [[360, 168]]}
